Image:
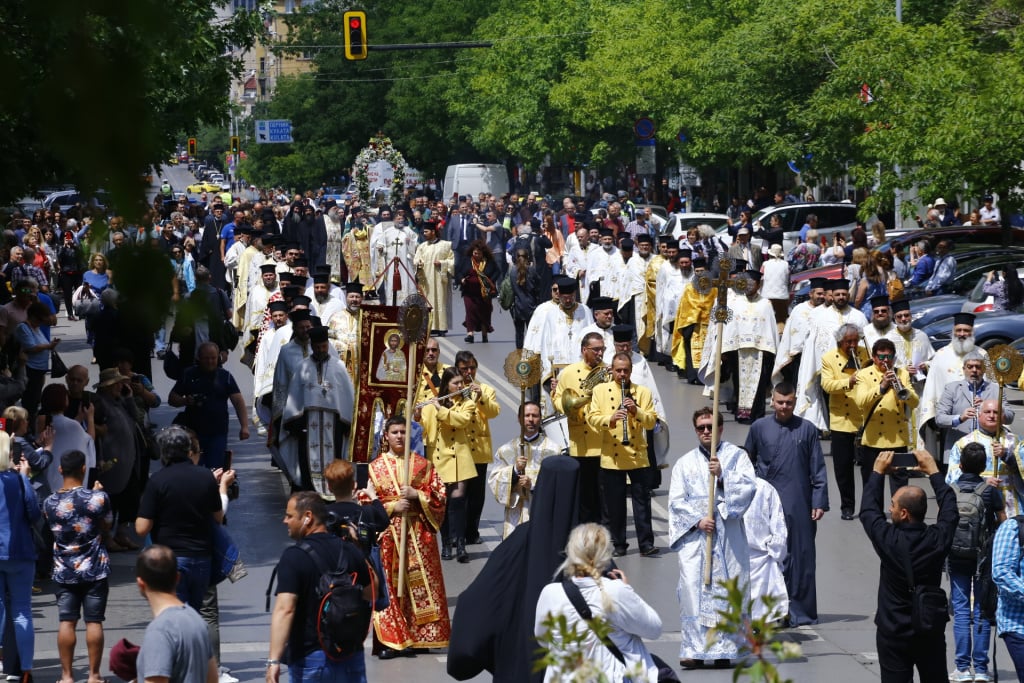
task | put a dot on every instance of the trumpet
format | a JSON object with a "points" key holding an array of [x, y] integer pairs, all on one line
{"points": [[902, 393], [463, 392], [625, 420]]}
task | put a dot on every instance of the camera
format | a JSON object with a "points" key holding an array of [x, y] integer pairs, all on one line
{"points": [[355, 530]]}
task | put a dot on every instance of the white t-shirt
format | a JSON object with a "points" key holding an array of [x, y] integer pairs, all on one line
{"points": [[775, 280]]}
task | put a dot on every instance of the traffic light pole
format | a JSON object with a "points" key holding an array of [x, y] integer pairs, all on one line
{"points": [[427, 46]]}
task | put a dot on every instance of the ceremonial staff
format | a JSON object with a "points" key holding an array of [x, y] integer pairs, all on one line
{"points": [[522, 369], [1004, 366], [720, 315], [414, 326]]}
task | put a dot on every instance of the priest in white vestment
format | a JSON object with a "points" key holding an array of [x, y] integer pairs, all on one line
{"points": [[825, 322], [765, 526], [513, 474], [270, 343], [256, 303], [689, 526], [556, 333], [388, 242], [795, 334], [669, 286]]}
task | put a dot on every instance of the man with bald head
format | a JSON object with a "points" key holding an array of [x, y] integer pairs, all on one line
{"points": [[900, 647]]}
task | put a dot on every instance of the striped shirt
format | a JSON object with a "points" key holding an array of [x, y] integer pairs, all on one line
{"points": [[1007, 574]]}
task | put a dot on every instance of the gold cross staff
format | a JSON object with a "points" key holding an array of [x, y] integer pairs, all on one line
{"points": [[721, 315]]}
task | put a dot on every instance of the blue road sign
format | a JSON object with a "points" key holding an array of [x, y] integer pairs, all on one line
{"points": [[273, 130]]}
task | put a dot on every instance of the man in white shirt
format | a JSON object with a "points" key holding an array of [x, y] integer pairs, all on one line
{"points": [[989, 213]]}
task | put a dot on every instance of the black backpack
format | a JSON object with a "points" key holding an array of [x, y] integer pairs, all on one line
{"points": [[972, 532], [342, 616]]}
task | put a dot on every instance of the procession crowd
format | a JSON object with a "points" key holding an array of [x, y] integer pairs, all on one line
{"points": [[602, 294]]}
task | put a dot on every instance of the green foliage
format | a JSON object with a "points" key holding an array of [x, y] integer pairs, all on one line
{"points": [[562, 650], [101, 90], [757, 637]]}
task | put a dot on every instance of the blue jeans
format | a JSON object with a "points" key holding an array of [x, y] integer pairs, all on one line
{"points": [[193, 580], [16, 579], [968, 627], [316, 668], [1015, 646]]}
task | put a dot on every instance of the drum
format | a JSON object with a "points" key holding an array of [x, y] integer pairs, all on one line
{"points": [[556, 428]]}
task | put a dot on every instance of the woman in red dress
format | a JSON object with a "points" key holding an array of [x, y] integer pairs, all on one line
{"points": [[478, 287]]}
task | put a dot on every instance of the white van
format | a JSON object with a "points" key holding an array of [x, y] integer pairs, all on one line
{"points": [[472, 179]]}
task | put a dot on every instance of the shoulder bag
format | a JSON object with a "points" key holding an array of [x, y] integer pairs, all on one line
{"points": [[666, 674], [929, 608]]}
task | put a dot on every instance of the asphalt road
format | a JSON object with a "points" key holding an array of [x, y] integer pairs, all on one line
{"points": [[840, 649]]}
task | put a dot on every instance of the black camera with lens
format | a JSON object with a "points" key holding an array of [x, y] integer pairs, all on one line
{"points": [[352, 529]]}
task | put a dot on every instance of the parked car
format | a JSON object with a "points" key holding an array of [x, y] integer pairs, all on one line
{"points": [[990, 329], [679, 224], [65, 199], [833, 217]]}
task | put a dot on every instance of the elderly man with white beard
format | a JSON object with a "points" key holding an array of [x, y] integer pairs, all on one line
{"points": [[946, 366]]}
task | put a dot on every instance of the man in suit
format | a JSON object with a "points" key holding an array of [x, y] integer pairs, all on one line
{"points": [[958, 408], [462, 231], [742, 249]]}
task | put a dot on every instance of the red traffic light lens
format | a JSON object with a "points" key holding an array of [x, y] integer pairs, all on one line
{"points": [[353, 23]]}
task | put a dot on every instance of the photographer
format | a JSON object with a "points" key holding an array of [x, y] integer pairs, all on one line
{"points": [[586, 579], [368, 518], [204, 391], [902, 637]]}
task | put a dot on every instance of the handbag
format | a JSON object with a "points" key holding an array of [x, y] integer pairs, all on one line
{"points": [[85, 302], [225, 555], [666, 674], [929, 607], [57, 367], [172, 364]]}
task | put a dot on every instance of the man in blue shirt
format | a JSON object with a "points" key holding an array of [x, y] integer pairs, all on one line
{"points": [[1008, 575], [945, 269], [925, 264]]}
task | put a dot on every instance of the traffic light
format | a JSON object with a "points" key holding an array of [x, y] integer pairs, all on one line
{"points": [[192, 147], [234, 144], [355, 34]]}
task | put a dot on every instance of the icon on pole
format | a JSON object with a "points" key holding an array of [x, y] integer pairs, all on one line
{"points": [[355, 35]]}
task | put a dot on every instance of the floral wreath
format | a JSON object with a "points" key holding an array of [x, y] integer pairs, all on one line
{"points": [[380, 148]]}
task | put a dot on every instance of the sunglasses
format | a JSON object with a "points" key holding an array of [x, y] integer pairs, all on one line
{"points": [[703, 428]]}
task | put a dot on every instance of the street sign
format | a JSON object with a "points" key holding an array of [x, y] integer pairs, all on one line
{"points": [[645, 161], [273, 130], [644, 128]]}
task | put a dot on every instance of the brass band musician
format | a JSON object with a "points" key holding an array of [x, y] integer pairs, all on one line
{"points": [[623, 412], [571, 395]]}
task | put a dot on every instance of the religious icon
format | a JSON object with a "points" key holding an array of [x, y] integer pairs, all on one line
{"points": [[391, 366]]}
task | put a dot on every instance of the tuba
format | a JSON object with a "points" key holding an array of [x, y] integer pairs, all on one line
{"points": [[573, 400]]}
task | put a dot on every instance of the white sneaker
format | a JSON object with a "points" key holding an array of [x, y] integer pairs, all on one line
{"points": [[961, 676], [226, 677], [985, 677]]}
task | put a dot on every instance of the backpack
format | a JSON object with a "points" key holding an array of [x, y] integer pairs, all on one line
{"points": [[343, 616], [506, 297], [971, 534], [895, 288], [985, 589]]}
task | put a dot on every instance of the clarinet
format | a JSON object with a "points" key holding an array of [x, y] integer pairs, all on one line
{"points": [[625, 420]]}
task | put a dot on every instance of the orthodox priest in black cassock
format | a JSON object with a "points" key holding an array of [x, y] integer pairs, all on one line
{"points": [[787, 454]]}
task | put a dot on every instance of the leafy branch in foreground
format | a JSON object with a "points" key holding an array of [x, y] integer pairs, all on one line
{"points": [[562, 649], [756, 638]]}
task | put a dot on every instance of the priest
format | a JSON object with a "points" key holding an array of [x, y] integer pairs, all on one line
{"points": [[555, 334], [343, 326], [693, 316], [946, 366], [825, 321], [749, 341], [795, 333], [435, 266], [317, 416], [392, 250]]}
